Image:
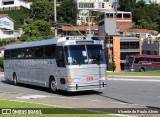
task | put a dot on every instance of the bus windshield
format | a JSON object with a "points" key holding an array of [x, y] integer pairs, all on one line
{"points": [[84, 54]]}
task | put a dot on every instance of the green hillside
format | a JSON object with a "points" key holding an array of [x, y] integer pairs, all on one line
{"points": [[17, 15]]}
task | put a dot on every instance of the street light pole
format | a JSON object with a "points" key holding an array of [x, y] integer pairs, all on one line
{"points": [[55, 18], [89, 25]]}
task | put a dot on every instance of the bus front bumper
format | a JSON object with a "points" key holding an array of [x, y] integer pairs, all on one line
{"points": [[77, 87]]}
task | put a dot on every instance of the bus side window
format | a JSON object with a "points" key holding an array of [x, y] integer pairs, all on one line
{"points": [[7, 54], [39, 52], [50, 51], [156, 60], [20, 53], [13, 53], [60, 57], [136, 60], [29, 52]]}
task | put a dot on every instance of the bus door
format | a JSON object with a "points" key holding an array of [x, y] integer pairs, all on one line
{"points": [[61, 68]]}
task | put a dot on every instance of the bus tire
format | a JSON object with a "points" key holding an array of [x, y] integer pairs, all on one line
{"points": [[53, 85], [15, 79], [142, 70]]}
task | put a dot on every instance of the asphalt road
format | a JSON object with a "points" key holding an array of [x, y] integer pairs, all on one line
{"points": [[146, 93]]}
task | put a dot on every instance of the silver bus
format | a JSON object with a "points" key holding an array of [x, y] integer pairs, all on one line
{"points": [[64, 63]]}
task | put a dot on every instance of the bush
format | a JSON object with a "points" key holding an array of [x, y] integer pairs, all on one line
{"points": [[110, 68], [1, 64]]}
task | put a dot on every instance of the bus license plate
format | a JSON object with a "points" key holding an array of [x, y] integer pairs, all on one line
{"points": [[89, 78]]}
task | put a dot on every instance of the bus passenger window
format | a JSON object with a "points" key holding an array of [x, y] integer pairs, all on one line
{"points": [[21, 53], [7, 54], [136, 60], [39, 52], [14, 53], [50, 51], [29, 52]]}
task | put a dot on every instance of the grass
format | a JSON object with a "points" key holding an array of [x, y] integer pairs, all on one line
{"points": [[147, 73], [59, 111]]}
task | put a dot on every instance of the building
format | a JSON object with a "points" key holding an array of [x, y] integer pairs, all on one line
{"points": [[111, 24], [14, 4], [151, 44], [87, 6], [95, 4], [6, 27], [80, 30], [129, 45]]}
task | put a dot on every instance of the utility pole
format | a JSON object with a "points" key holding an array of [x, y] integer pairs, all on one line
{"points": [[55, 18], [89, 25]]}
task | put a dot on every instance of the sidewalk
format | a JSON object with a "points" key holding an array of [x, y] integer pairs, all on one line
{"points": [[79, 103]]}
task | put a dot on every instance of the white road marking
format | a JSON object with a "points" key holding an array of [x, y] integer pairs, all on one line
{"points": [[32, 97], [95, 100], [135, 80]]}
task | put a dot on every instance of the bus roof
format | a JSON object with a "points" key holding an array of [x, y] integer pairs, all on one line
{"points": [[48, 42], [34, 43], [144, 55]]}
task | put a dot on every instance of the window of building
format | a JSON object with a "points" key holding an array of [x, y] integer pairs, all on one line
{"points": [[129, 45], [119, 15], [102, 5], [126, 15], [8, 3], [106, 0]]}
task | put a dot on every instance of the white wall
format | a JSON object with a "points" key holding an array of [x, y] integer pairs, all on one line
{"points": [[6, 23], [17, 3], [6, 28]]}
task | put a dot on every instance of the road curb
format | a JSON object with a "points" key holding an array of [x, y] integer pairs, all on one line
{"points": [[134, 76]]}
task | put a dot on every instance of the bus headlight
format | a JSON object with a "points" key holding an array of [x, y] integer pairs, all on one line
{"points": [[69, 80], [75, 80], [106, 77]]}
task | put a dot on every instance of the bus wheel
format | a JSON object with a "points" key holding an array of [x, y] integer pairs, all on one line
{"points": [[53, 85], [142, 70], [15, 79]]}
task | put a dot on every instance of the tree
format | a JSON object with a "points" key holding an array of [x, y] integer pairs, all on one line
{"points": [[147, 17], [144, 15], [36, 30], [127, 5], [42, 9], [67, 12]]}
